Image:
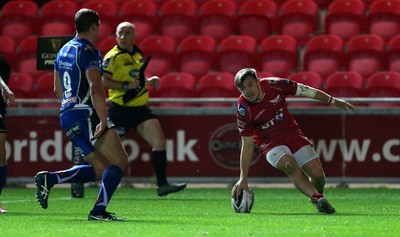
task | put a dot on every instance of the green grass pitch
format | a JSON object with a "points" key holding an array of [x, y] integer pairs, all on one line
{"points": [[203, 212]]}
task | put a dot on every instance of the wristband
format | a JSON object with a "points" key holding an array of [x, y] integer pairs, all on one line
{"points": [[125, 84]]}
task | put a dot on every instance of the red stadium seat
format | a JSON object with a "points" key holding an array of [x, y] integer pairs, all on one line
{"points": [[108, 12], [163, 52], [219, 85], [307, 78], [178, 85], [45, 90], [196, 55], [345, 84], [323, 55], [143, 14], [257, 18], [365, 54], [217, 18], [299, 19], [262, 74], [178, 18], [57, 17], [26, 57], [21, 84], [19, 19], [7, 49], [106, 45], [383, 84], [312, 79], [236, 52], [278, 55], [393, 54], [345, 18], [384, 18]]}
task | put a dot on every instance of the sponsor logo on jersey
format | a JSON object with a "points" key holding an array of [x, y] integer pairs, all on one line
{"points": [[276, 99], [72, 130], [241, 110]]}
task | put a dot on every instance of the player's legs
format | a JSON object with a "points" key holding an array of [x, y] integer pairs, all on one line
{"points": [[289, 165], [109, 147], [309, 162], [311, 166], [313, 169], [151, 131]]}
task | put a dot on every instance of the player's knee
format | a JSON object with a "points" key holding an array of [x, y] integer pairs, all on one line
{"points": [[288, 165]]}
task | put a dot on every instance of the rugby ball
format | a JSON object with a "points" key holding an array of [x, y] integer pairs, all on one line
{"points": [[244, 203]]}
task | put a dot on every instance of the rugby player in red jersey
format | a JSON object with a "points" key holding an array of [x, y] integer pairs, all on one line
{"points": [[263, 119]]}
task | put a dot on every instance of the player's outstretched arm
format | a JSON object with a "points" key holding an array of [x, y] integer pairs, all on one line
{"points": [[314, 93], [246, 155], [339, 103], [7, 94]]}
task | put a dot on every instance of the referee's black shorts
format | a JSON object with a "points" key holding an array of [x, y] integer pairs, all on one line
{"points": [[126, 118]]}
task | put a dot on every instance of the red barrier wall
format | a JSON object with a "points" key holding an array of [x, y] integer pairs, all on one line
{"points": [[208, 146]]}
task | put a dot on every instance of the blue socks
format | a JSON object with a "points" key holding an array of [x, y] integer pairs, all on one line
{"points": [[77, 174], [3, 176], [109, 183]]}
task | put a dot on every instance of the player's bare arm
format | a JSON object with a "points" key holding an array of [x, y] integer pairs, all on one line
{"points": [[313, 93], [99, 100], [58, 85], [7, 94], [246, 155]]}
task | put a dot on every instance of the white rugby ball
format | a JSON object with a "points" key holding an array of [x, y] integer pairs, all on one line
{"points": [[244, 203]]}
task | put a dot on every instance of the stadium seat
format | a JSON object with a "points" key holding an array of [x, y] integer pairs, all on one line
{"points": [[307, 78], [7, 49], [143, 14], [162, 50], [107, 44], [236, 52], [21, 84], [19, 19], [199, 2], [278, 55], [218, 85], [177, 85], [384, 18], [323, 55], [196, 55], [299, 18], [279, 3], [345, 84], [365, 54], [257, 18], [383, 84], [57, 17], [108, 12], [178, 19], [217, 18], [27, 58], [45, 90], [160, 2], [345, 18], [393, 54], [262, 74]]}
